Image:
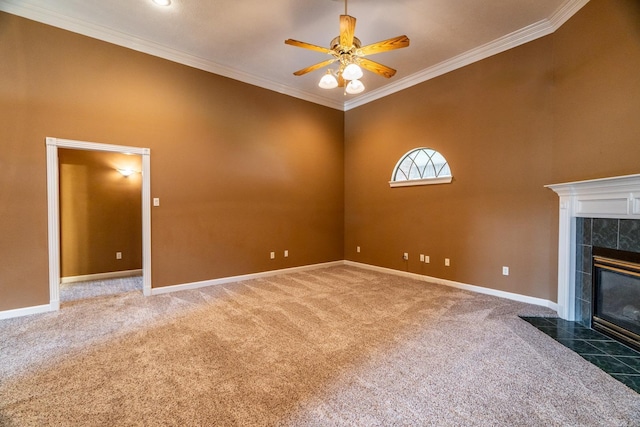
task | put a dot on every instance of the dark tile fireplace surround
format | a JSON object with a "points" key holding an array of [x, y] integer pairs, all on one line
{"points": [[623, 234]]}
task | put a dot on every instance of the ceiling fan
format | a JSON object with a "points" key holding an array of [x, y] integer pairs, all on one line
{"points": [[347, 50]]}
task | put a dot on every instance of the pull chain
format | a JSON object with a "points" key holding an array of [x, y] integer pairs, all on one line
{"points": [[345, 7]]}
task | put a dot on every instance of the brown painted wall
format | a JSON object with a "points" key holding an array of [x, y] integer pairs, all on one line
{"points": [[492, 122], [243, 171], [240, 171], [100, 212], [563, 107], [597, 92]]}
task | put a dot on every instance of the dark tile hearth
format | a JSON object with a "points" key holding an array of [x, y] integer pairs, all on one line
{"points": [[616, 359]]}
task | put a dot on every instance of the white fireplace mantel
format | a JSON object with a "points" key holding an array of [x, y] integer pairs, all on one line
{"points": [[615, 197]]}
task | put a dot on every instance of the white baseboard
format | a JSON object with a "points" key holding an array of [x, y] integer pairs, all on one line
{"points": [[101, 276], [18, 312], [55, 305], [478, 289], [232, 279], [445, 282]]}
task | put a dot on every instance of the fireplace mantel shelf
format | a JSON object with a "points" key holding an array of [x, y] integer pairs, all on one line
{"points": [[614, 197]]}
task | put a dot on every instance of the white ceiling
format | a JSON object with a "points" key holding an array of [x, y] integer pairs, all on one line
{"points": [[244, 39]]}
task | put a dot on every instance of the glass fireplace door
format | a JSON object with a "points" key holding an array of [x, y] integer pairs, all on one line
{"points": [[616, 299]]}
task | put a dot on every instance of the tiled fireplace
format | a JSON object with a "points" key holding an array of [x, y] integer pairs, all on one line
{"points": [[603, 213], [622, 234]]}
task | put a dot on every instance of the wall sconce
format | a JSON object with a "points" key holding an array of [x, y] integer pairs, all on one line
{"points": [[126, 172]]}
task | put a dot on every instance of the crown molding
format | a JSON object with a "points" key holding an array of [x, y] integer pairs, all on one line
{"points": [[517, 38], [525, 35]]}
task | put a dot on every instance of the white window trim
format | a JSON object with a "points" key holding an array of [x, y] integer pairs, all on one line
{"points": [[427, 181], [444, 179]]}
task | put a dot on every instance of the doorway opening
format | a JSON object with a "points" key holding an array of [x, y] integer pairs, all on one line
{"points": [[54, 216]]}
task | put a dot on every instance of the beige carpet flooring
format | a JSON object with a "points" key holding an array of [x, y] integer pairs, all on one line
{"points": [[338, 346], [99, 288]]}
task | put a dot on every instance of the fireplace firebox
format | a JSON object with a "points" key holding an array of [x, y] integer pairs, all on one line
{"points": [[616, 294]]}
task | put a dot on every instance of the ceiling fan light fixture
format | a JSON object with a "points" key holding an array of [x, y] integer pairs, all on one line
{"points": [[348, 52], [328, 81], [162, 2], [352, 72], [354, 87]]}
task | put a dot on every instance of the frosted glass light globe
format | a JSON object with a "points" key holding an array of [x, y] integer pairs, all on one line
{"points": [[328, 81], [355, 86], [352, 72]]}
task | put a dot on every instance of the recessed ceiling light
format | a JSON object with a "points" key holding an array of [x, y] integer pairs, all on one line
{"points": [[162, 2]]}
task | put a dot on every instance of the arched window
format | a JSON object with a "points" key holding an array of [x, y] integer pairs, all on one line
{"points": [[421, 166]]}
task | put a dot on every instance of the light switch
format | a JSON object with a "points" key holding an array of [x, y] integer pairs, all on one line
{"points": [[156, 201]]}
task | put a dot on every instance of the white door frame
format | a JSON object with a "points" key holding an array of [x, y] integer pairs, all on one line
{"points": [[53, 202]]}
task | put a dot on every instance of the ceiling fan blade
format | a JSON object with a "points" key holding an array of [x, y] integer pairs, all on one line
{"points": [[385, 45], [315, 67], [374, 67], [307, 46], [347, 30]]}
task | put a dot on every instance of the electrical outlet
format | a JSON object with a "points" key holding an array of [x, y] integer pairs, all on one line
{"points": [[426, 259], [286, 253], [421, 257], [447, 262], [405, 256], [118, 255], [273, 255], [358, 249], [505, 271]]}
